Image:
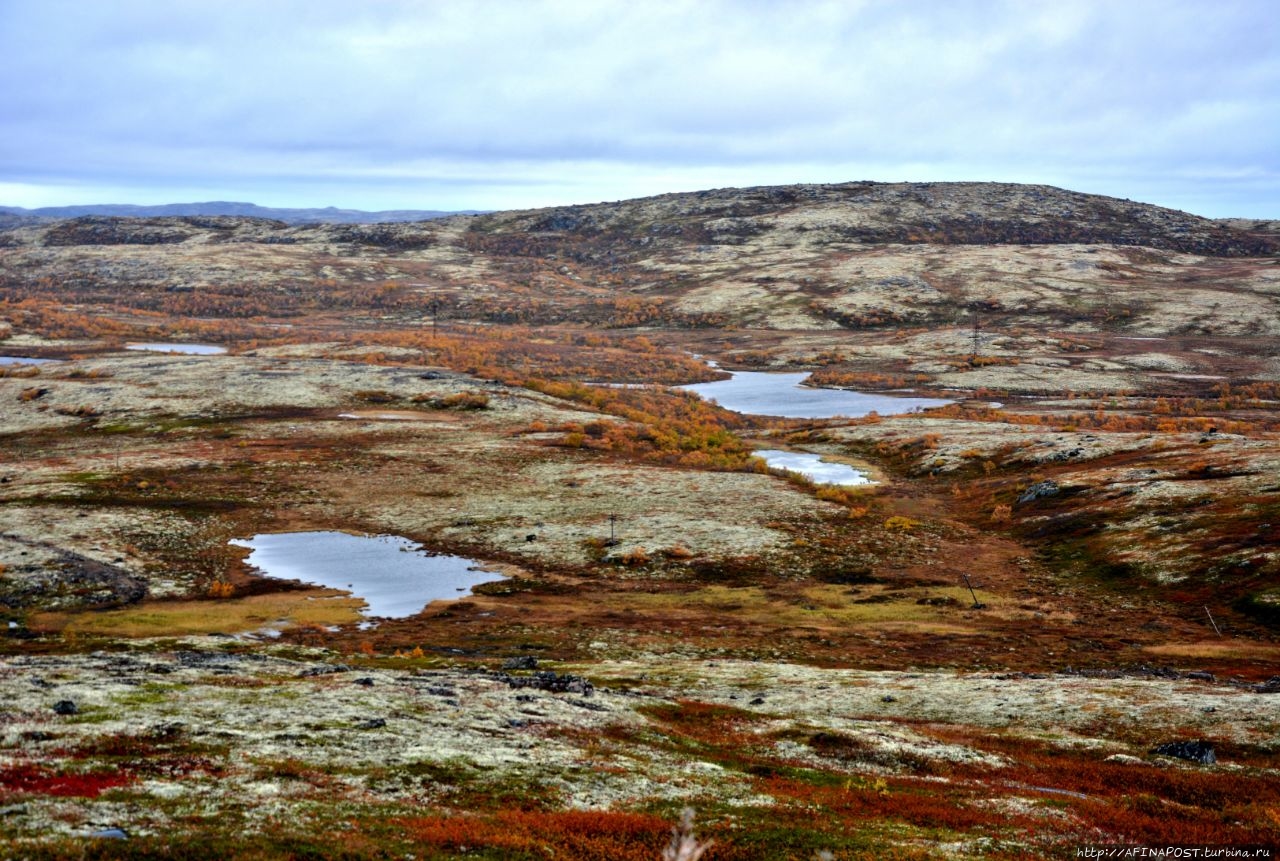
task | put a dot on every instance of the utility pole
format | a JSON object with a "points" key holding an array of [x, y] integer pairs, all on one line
{"points": [[613, 519], [977, 605], [1212, 622]]}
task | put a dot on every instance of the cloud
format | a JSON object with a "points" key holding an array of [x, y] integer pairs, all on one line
{"points": [[541, 100]]}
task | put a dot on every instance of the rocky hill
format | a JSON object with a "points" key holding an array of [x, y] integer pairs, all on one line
{"points": [[856, 212], [827, 260], [960, 213]]}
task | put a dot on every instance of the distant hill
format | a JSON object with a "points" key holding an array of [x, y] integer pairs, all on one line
{"points": [[327, 215], [910, 213]]}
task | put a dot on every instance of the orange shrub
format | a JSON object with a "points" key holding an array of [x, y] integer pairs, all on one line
{"points": [[634, 557], [221, 589]]}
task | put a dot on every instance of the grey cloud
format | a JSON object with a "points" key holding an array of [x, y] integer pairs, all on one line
{"points": [[237, 91]]}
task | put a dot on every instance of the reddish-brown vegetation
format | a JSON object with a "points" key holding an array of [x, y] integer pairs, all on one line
{"points": [[580, 835], [39, 780]]}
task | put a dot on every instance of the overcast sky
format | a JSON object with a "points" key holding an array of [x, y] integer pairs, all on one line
{"points": [[496, 104]]}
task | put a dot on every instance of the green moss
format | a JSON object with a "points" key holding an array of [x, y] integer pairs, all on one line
{"points": [[83, 477], [151, 693]]}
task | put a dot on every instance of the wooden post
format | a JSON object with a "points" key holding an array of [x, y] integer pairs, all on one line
{"points": [[1213, 623]]}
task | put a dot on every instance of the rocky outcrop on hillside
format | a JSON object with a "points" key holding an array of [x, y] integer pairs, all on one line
{"points": [[910, 213], [828, 259], [113, 230], [857, 213]]}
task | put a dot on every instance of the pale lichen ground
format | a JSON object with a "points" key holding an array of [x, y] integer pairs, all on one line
{"points": [[262, 735]]}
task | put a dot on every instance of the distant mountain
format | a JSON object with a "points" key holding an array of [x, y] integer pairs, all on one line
{"points": [[327, 215]]}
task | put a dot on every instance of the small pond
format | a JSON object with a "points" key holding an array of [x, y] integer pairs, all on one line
{"points": [[185, 349], [813, 467], [393, 575], [23, 360], [780, 394]]}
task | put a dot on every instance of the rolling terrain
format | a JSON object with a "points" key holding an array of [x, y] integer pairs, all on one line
{"points": [[1072, 563]]}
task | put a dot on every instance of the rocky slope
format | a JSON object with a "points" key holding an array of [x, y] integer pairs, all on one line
{"points": [[914, 213], [829, 260]]}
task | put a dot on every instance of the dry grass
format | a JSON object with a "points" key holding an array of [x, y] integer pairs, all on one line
{"points": [[1218, 650], [821, 606], [311, 608]]}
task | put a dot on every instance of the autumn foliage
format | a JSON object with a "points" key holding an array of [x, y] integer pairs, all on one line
{"points": [[39, 780], [582, 835]]}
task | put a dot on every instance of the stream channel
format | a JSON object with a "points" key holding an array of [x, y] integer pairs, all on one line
{"points": [[763, 393]]}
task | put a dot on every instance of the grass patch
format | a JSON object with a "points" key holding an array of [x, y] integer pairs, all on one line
{"points": [[1237, 650], [188, 618], [826, 605]]}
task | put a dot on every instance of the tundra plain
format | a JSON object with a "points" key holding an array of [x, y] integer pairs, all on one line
{"points": [[1057, 583]]}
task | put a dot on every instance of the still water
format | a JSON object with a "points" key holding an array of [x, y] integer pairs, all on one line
{"points": [[23, 360], [780, 394], [393, 575], [813, 467], [186, 349]]}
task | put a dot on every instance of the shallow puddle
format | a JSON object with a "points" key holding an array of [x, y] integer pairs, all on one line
{"points": [[780, 394], [813, 467], [394, 416], [23, 360], [393, 575], [185, 349]]}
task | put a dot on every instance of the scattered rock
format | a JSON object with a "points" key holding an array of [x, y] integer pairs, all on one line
{"points": [[590, 706], [1201, 677], [324, 670], [1270, 686], [110, 834], [372, 723], [66, 707], [1039, 490], [546, 680], [758, 701], [888, 698], [524, 662], [1194, 751], [1124, 759]]}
